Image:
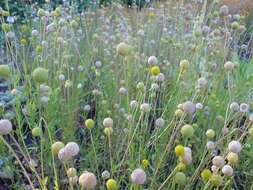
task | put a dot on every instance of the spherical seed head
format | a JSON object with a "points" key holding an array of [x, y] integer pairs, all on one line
{"points": [[216, 180], [37, 131], [138, 176], [111, 184], [186, 158], [179, 150], [199, 106], [244, 107], [210, 133], [227, 170], [179, 113], [181, 166], [122, 49], [206, 174], [133, 104], [56, 147], [71, 172], [5, 71], [108, 122], [108, 131], [189, 107], [184, 64], [64, 155], [224, 10], [214, 168], [210, 145], [235, 25], [180, 178], [187, 131], [152, 60], [235, 146], [234, 106], [87, 180], [202, 81], [155, 70], [229, 66], [218, 161], [160, 122], [40, 75], [89, 123], [105, 175], [5, 127], [144, 107], [72, 148], [232, 157]]}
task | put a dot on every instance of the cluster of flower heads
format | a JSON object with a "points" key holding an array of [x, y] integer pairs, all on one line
{"points": [[154, 72]]}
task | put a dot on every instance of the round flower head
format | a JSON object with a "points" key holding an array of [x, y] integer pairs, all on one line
{"points": [[108, 131], [122, 90], [5, 71], [188, 107], [184, 64], [138, 176], [214, 168], [15, 92], [206, 174], [72, 148], [160, 122], [218, 161], [108, 122], [37, 131], [234, 106], [179, 150], [64, 155], [71, 172], [144, 107], [186, 158], [210, 133], [206, 30], [229, 66], [180, 178], [5, 127], [73, 180], [160, 77], [227, 170], [244, 108], [202, 81], [235, 146], [61, 77], [187, 131], [232, 157], [210, 145], [199, 106], [122, 49], [133, 104], [87, 180], [224, 10], [56, 147], [40, 75], [89, 123], [155, 70], [111, 184], [152, 60], [87, 108], [105, 175], [216, 180]]}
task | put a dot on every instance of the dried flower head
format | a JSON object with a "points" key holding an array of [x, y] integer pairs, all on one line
{"points": [[87, 180], [5, 127], [138, 176]]}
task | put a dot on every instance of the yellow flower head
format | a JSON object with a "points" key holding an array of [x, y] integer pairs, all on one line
{"points": [[155, 70], [111, 184], [179, 150], [145, 163], [206, 174]]}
